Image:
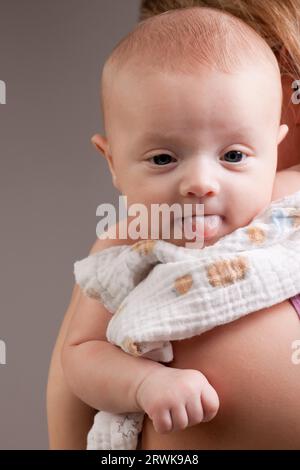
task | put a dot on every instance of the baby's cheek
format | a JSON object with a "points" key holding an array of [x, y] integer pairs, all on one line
{"points": [[243, 211]]}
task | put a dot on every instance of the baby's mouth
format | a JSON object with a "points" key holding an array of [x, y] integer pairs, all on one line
{"points": [[204, 227]]}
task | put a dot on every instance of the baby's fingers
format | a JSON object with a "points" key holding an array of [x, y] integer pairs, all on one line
{"points": [[180, 418], [162, 422], [194, 411], [210, 402]]}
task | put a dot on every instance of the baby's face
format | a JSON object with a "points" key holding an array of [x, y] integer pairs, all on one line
{"points": [[207, 138]]}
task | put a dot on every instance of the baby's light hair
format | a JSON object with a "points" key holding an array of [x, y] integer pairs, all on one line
{"points": [[181, 40], [277, 21]]}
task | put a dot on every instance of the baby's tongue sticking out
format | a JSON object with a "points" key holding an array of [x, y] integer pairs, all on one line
{"points": [[206, 226]]}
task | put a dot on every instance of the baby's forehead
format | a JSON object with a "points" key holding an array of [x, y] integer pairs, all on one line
{"points": [[136, 69], [136, 84], [179, 116]]}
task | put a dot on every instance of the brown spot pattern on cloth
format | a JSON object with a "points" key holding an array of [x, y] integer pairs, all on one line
{"points": [[256, 235], [144, 247], [129, 346], [296, 221], [226, 272], [183, 284], [295, 214]]}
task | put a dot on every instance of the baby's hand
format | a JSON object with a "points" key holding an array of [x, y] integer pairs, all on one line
{"points": [[177, 398]]}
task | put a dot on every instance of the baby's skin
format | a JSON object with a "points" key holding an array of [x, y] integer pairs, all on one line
{"points": [[177, 398]]}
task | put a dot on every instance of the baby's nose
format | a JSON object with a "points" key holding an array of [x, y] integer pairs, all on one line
{"points": [[200, 181]]}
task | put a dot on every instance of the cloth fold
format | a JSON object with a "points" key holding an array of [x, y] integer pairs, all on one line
{"points": [[158, 292]]}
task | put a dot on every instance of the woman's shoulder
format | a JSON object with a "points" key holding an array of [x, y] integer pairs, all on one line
{"points": [[249, 336], [286, 182]]}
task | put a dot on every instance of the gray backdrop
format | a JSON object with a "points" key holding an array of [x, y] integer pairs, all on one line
{"points": [[52, 180]]}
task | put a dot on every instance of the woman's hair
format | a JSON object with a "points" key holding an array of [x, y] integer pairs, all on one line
{"points": [[277, 21]]}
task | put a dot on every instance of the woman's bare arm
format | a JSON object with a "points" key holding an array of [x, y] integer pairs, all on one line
{"points": [[69, 419]]}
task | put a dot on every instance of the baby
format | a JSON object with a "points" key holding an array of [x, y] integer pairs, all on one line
{"points": [[192, 108]]}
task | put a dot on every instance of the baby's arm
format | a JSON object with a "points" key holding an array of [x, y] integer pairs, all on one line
{"points": [[108, 379]]}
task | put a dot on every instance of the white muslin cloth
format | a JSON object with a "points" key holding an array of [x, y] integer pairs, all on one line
{"points": [[159, 292]]}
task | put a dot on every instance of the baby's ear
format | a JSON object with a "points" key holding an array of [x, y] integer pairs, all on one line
{"points": [[282, 133], [101, 144]]}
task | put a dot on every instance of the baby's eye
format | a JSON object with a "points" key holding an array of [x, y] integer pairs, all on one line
{"points": [[233, 156], [161, 159]]}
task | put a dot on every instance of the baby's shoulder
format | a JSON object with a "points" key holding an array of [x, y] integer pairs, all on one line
{"points": [[113, 237]]}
